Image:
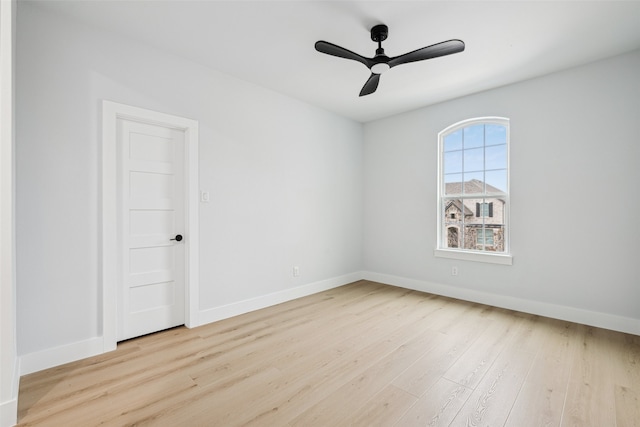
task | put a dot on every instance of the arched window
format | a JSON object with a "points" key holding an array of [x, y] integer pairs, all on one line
{"points": [[473, 190]]}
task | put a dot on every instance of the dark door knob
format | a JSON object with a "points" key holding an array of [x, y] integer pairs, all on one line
{"points": [[177, 238]]}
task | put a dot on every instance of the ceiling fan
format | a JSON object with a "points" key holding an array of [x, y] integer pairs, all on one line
{"points": [[381, 62]]}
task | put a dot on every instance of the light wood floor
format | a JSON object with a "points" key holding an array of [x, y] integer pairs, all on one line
{"points": [[364, 354]]}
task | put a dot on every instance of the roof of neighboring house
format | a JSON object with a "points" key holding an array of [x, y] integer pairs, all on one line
{"points": [[474, 186], [458, 204]]}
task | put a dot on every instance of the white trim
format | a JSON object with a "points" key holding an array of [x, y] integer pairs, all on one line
{"points": [[9, 362], [50, 357], [577, 315], [464, 123], [9, 408], [192, 219], [8, 412], [493, 258], [112, 111], [241, 307]]}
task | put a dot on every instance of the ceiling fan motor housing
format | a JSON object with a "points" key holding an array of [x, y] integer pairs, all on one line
{"points": [[379, 33]]}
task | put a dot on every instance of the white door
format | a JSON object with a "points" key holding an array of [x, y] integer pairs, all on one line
{"points": [[151, 295]]}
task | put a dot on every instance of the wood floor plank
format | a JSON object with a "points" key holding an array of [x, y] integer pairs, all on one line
{"points": [[622, 351], [471, 367], [355, 355], [381, 410], [292, 345], [493, 398], [362, 354], [590, 397], [221, 405], [85, 386], [437, 406], [627, 407], [422, 375], [541, 398], [281, 341], [328, 372], [360, 389]]}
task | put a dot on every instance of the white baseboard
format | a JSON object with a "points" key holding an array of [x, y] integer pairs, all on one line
{"points": [[237, 308], [9, 408], [571, 314], [9, 413], [48, 358]]}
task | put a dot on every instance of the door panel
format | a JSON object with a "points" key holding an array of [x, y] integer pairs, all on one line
{"points": [[155, 185], [149, 297], [148, 227], [152, 291]]}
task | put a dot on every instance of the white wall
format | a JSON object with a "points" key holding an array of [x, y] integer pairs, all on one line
{"points": [[285, 178], [575, 200], [9, 370], [291, 185]]}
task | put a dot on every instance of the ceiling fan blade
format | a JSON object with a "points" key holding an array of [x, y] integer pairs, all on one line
{"points": [[371, 85], [433, 51], [335, 50]]}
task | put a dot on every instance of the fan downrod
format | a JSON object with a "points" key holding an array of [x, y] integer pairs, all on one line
{"points": [[379, 33]]}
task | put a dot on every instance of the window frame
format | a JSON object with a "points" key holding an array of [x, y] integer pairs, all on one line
{"points": [[441, 249]]}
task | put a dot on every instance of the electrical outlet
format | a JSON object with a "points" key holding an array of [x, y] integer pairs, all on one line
{"points": [[296, 271], [454, 271], [204, 196]]}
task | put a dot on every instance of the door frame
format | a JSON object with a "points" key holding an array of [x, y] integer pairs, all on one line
{"points": [[110, 264]]}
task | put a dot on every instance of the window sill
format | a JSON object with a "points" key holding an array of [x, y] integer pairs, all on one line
{"points": [[491, 258]]}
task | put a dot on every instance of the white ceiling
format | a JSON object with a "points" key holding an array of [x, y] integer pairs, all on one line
{"points": [[271, 43]]}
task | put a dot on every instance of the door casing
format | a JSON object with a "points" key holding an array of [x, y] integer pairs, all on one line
{"points": [[111, 112]]}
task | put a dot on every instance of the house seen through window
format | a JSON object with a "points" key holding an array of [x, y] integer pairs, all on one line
{"points": [[473, 188]]}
